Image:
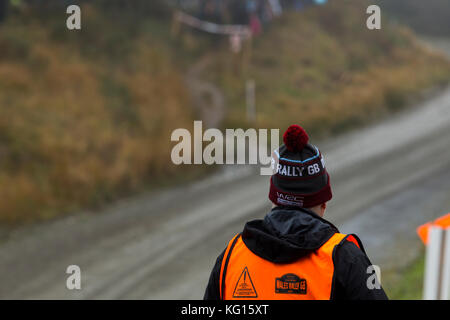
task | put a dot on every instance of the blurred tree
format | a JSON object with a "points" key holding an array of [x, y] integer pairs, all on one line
{"points": [[3, 9]]}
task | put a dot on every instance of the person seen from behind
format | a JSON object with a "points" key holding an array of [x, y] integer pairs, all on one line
{"points": [[294, 252]]}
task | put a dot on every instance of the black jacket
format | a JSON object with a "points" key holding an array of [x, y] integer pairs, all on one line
{"points": [[286, 234]]}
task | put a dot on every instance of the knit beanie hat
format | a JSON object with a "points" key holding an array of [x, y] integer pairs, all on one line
{"points": [[300, 178]]}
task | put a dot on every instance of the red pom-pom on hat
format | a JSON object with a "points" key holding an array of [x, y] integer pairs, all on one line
{"points": [[295, 138]]}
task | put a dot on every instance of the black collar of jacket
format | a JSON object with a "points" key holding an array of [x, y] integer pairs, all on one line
{"points": [[287, 234]]}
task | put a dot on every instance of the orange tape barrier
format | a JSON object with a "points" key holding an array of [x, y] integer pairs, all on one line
{"points": [[443, 222]]}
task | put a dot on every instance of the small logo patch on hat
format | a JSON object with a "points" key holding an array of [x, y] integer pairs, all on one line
{"points": [[289, 200]]}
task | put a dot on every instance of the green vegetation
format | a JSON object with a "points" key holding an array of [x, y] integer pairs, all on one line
{"points": [[406, 284], [86, 116]]}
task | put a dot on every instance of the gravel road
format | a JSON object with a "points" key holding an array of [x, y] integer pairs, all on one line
{"points": [[387, 179]]}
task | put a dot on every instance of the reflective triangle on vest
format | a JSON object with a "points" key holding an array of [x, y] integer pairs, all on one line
{"points": [[244, 286]]}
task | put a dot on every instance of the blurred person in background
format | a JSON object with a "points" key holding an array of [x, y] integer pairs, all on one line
{"points": [[3, 9], [211, 10], [238, 13], [294, 253], [253, 9]]}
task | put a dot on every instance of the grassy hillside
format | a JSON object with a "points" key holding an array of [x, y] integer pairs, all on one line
{"points": [[326, 70], [86, 116]]}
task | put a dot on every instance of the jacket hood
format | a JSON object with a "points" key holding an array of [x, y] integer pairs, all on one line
{"points": [[286, 234]]}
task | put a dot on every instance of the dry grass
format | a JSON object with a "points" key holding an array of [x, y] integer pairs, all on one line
{"points": [[324, 69], [76, 128]]}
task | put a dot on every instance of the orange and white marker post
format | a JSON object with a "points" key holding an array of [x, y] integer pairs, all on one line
{"points": [[436, 236]]}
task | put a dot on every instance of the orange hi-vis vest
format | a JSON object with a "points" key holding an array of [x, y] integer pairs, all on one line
{"points": [[244, 275]]}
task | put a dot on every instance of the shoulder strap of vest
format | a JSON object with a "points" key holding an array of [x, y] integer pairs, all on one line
{"points": [[225, 260], [336, 241], [339, 238], [354, 238]]}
